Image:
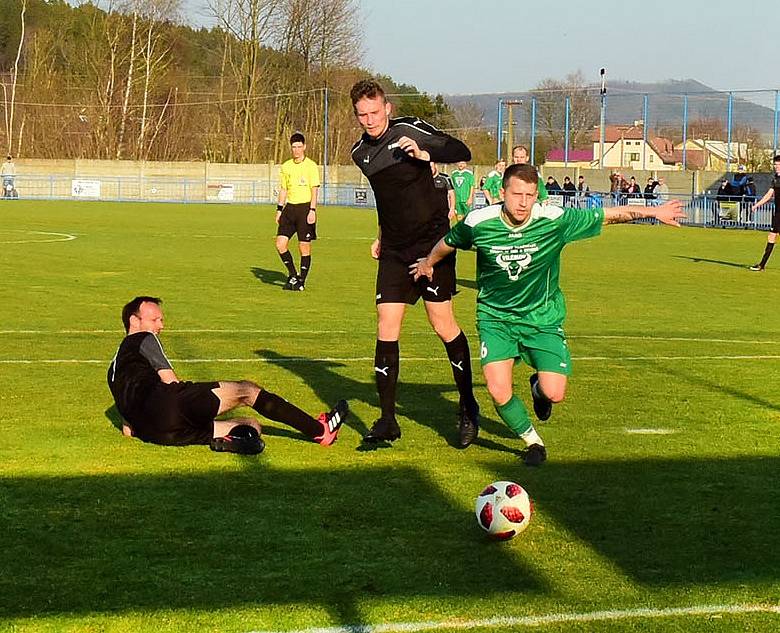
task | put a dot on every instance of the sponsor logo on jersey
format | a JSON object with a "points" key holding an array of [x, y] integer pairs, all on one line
{"points": [[514, 259]]}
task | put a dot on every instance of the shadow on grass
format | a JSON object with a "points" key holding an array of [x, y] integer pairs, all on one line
{"points": [[422, 402], [112, 415], [110, 543], [687, 522], [270, 277], [720, 262]]}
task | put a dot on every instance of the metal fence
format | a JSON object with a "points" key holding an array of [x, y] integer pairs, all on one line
{"points": [[701, 210]]}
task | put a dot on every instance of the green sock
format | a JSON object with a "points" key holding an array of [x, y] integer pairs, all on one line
{"points": [[515, 415]]}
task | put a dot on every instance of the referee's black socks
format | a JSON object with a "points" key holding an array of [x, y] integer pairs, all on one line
{"points": [[460, 359], [305, 266], [767, 252], [287, 260], [273, 407], [386, 361]]}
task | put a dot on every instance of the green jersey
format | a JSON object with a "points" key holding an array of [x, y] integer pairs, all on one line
{"points": [[518, 266], [462, 182], [542, 190], [493, 184]]}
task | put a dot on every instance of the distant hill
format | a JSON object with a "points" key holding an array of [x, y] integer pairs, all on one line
{"points": [[665, 104]]}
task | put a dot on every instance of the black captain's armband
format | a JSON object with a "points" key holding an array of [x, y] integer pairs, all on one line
{"points": [[280, 207]]}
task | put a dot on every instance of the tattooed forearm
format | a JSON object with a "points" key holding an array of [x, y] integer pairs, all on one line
{"points": [[620, 216]]}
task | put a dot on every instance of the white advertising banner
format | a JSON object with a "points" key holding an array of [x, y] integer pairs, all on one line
{"points": [[85, 188]]}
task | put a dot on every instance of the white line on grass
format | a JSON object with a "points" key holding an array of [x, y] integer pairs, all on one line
{"points": [[409, 333], [651, 431], [362, 359], [61, 237], [542, 620]]}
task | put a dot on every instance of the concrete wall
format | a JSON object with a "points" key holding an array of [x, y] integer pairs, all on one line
{"points": [[136, 179]]}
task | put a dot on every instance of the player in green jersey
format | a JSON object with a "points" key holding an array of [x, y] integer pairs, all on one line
{"points": [[463, 183], [520, 306], [492, 186], [520, 157]]}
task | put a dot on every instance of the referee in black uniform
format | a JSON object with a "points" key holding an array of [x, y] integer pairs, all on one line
{"points": [[160, 409], [774, 231], [395, 156]]}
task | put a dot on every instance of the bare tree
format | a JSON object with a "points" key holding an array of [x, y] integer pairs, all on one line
{"points": [[9, 104], [551, 97]]}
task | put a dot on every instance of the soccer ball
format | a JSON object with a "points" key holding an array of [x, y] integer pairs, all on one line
{"points": [[504, 510]]}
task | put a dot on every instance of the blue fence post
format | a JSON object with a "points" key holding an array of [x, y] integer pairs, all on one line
{"points": [[728, 130], [499, 127], [644, 132], [533, 130], [685, 133], [566, 132], [185, 192]]}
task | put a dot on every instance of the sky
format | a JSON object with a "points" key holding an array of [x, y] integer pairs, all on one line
{"points": [[479, 46]]}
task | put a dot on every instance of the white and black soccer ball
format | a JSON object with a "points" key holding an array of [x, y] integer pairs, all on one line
{"points": [[504, 510]]}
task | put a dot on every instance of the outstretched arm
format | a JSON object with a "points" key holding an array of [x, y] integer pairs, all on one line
{"points": [[424, 267], [767, 197], [667, 213]]}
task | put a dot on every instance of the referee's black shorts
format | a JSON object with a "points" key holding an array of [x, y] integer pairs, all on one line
{"points": [[394, 284], [178, 414], [293, 220], [776, 221]]}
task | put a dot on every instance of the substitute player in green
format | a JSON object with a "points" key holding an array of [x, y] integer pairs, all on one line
{"points": [[299, 182], [520, 157], [492, 186], [463, 184], [520, 306]]}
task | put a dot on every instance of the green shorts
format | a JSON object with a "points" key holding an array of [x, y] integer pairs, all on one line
{"points": [[543, 348], [462, 207]]}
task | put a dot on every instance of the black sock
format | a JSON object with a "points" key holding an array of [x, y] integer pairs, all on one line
{"points": [[287, 260], [767, 253], [278, 409], [460, 360], [386, 371], [305, 266]]}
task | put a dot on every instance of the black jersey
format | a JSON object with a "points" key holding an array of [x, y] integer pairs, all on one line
{"points": [[411, 216], [443, 184], [132, 374]]}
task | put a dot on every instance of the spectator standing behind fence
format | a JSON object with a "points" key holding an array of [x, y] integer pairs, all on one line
{"points": [[633, 190], [662, 190], [463, 183], [552, 186], [492, 186], [299, 182], [569, 191], [650, 189], [583, 191], [774, 192], [8, 174]]}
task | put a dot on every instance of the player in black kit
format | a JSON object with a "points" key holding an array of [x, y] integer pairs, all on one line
{"points": [[774, 192], [158, 408], [395, 156]]}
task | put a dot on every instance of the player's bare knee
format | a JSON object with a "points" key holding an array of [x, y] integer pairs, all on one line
{"points": [[500, 393], [247, 391]]}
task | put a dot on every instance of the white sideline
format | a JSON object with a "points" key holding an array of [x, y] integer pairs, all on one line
{"points": [[542, 620], [62, 237], [627, 337], [364, 359]]}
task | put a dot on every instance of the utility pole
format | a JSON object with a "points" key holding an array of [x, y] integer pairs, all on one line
{"points": [[603, 116], [510, 141]]}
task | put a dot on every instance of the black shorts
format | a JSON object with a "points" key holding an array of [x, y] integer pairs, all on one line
{"points": [[293, 220], [776, 222], [178, 414], [394, 284]]}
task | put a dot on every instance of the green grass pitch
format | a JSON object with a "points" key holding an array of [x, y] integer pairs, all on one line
{"points": [[660, 491]]}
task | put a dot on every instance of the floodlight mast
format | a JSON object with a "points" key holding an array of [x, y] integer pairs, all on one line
{"points": [[602, 118]]}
